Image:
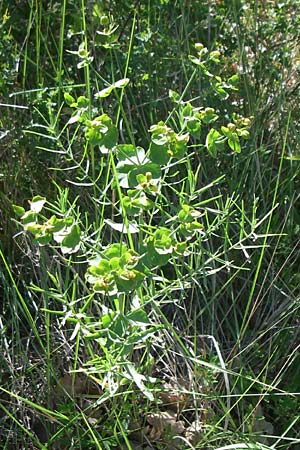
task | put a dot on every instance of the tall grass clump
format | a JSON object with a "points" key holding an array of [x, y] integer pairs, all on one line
{"points": [[150, 294]]}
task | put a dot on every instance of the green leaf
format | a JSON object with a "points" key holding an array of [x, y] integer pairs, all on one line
{"points": [[138, 316], [219, 89], [131, 228], [208, 115], [165, 143], [158, 154], [101, 131], [101, 269], [104, 92], [234, 143], [104, 285], [43, 239], [34, 228], [129, 280], [37, 203], [129, 155], [79, 116], [180, 248], [193, 125], [129, 259], [115, 249], [174, 96], [119, 325], [149, 168], [243, 133], [214, 142], [179, 145], [127, 151], [69, 99], [83, 102], [226, 131], [195, 60], [233, 80], [160, 139], [72, 239], [132, 162], [55, 224], [215, 56], [18, 210], [29, 217], [159, 248], [139, 381], [143, 335], [120, 84], [109, 140], [131, 208], [106, 319], [188, 111]]}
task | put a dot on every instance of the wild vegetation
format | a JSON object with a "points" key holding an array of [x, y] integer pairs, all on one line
{"points": [[149, 205]]}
